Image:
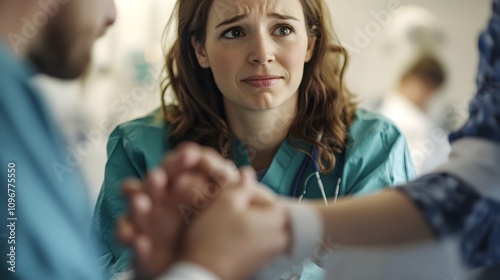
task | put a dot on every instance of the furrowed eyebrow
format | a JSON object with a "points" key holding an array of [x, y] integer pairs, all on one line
{"points": [[282, 17], [231, 20], [242, 17]]}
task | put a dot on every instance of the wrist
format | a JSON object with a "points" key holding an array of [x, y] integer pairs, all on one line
{"points": [[305, 229], [188, 270]]}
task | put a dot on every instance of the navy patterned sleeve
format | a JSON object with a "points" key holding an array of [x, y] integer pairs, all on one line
{"points": [[484, 109], [450, 205]]}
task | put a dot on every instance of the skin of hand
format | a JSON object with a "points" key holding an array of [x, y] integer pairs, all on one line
{"points": [[235, 236], [153, 227]]}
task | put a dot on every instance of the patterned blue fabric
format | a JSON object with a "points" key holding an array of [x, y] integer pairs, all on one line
{"points": [[481, 234], [451, 206], [445, 200], [484, 109]]}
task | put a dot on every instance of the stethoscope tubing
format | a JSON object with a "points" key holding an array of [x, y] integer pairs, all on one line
{"points": [[315, 160]]}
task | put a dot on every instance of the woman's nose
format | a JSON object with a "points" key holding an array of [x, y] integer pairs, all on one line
{"points": [[261, 50]]}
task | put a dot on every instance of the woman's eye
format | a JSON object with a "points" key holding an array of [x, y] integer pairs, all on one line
{"points": [[284, 30], [233, 33]]}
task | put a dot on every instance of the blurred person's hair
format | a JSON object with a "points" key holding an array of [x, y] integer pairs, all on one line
{"points": [[428, 67], [325, 106]]}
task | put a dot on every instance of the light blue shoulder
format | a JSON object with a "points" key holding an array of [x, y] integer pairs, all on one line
{"points": [[145, 138], [372, 130], [377, 154]]}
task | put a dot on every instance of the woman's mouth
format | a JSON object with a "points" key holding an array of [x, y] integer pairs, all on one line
{"points": [[262, 81]]}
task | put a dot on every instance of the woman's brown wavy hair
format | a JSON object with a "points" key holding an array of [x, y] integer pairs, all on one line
{"points": [[325, 105]]}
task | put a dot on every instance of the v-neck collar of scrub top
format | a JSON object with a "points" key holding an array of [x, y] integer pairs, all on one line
{"points": [[283, 169]]}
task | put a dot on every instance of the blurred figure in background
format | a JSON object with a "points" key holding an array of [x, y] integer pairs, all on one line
{"points": [[407, 106]]}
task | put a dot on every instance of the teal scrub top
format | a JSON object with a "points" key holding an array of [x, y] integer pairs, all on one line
{"points": [[377, 156], [48, 211]]}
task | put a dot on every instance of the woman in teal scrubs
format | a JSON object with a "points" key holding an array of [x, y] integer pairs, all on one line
{"points": [[261, 82]]}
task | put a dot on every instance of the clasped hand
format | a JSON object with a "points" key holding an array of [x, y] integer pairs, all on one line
{"points": [[199, 208]]}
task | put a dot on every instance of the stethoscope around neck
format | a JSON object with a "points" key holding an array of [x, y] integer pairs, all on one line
{"points": [[314, 159]]}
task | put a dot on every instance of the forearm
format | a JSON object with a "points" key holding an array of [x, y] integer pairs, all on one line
{"points": [[317, 230], [457, 201], [438, 204], [388, 218]]}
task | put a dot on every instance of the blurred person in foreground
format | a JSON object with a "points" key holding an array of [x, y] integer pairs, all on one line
{"points": [[47, 237], [407, 107], [461, 200]]}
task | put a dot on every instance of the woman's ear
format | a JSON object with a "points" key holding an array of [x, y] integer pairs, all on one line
{"points": [[311, 44], [200, 52]]}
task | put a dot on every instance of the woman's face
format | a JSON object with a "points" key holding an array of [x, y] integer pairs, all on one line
{"points": [[256, 50]]}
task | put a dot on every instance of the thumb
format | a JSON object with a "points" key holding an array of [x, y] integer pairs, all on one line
{"points": [[241, 194], [261, 195]]}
